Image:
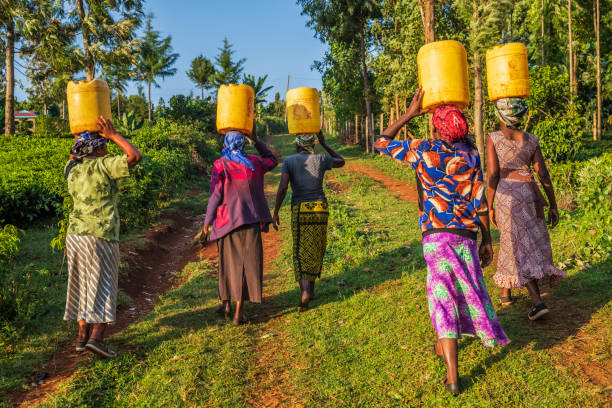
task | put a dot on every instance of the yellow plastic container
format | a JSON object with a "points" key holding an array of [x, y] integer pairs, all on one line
{"points": [[507, 71], [303, 110], [443, 74], [87, 100], [235, 108]]}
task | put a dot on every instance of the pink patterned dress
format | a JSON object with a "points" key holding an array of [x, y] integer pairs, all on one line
{"points": [[524, 247]]}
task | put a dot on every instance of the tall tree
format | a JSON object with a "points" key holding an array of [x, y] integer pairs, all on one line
{"points": [[598, 68], [485, 20], [258, 85], [155, 58], [107, 29], [10, 11], [201, 72], [117, 77], [572, 59], [427, 8], [346, 22], [227, 70]]}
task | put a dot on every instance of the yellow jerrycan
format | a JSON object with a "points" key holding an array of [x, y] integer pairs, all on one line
{"points": [[87, 100], [235, 109], [507, 71], [443, 74], [303, 110]]}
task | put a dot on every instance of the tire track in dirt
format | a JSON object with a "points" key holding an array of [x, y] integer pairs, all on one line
{"points": [[152, 270]]}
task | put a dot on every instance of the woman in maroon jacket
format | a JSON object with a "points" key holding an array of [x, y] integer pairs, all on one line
{"points": [[237, 213]]}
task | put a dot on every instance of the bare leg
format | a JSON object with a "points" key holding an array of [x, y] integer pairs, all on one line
{"points": [[448, 348], [534, 292], [83, 335], [238, 314], [97, 332], [505, 292], [311, 286]]}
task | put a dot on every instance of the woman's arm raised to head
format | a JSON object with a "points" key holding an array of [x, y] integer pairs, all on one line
{"points": [[108, 131]]}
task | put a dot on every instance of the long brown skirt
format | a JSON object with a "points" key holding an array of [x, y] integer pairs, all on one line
{"points": [[241, 264]]}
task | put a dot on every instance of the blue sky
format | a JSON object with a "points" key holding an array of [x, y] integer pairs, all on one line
{"points": [[270, 34]]}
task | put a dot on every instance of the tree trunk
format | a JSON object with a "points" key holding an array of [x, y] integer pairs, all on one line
{"points": [[366, 81], [543, 49], [149, 82], [572, 70], [427, 8], [598, 62], [427, 15], [90, 65], [9, 104], [202, 93], [63, 108], [478, 131], [119, 105]]}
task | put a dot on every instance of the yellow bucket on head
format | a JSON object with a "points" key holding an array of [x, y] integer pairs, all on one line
{"points": [[507, 71], [87, 100], [303, 110], [235, 109], [443, 74]]}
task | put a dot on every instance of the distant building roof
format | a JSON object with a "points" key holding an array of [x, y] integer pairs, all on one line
{"points": [[26, 114]]}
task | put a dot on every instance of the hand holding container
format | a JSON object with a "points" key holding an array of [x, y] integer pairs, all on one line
{"points": [[303, 111]]}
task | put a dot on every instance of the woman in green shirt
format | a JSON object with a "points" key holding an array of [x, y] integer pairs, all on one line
{"points": [[92, 240]]}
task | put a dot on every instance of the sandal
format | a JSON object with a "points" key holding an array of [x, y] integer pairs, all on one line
{"points": [[237, 321], [453, 388], [507, 300], [224, 309]]}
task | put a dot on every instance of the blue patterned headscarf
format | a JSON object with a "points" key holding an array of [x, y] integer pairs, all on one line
{"points": [[234, 143], [86, 144]]}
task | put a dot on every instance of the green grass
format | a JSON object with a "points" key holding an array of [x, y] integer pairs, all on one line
{"points": [[40, 331], [364, 342]]}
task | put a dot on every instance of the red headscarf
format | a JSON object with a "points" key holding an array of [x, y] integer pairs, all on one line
{"points": [[450, 123]]}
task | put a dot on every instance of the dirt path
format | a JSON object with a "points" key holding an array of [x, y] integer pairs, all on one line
{"points": [[403, 190], [151, 273]]}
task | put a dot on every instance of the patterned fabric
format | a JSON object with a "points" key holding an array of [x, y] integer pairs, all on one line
{"points": [[93, 266], [450, 123], [459, 303], [511, 111], [524, 245], [452, 187], [306, 142], [237, 193], [93, 187], [309, 228], [234, 143], [87, 143]]}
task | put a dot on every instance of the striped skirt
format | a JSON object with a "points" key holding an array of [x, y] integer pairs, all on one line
{"points": [[309, 229], [93, 267]]}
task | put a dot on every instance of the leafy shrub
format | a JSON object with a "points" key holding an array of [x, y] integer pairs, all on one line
{"points": [[50, 126], [185, 109], [560, 138], [10, 236]]}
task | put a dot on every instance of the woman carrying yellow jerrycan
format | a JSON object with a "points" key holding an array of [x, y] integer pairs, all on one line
{"points": [[305, 171], [92, 240]]}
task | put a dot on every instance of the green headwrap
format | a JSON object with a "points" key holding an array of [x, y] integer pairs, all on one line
{"points": [[306, 142], [511, 111]]}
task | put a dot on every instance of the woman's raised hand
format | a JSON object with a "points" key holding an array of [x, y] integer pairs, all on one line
{"points": [[107, 129], [415, 108]]}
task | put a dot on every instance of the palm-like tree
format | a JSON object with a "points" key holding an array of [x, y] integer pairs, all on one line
{"points": [[155, 59], [258, 87], [201, 72]]}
